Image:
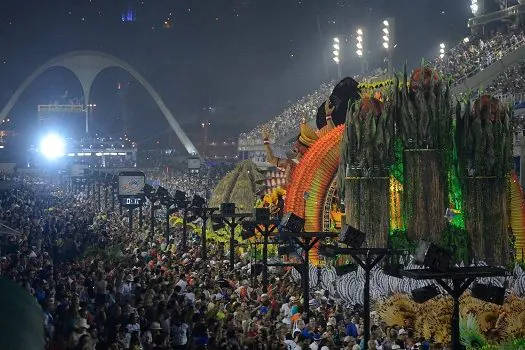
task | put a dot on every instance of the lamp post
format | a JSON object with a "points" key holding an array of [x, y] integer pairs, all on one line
{"points": [[232, 219], [442, 47], [360, 50], [388, 31], [337, 55], [306, 241]]}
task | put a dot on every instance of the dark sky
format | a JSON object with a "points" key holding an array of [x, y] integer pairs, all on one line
{"points": [[245, 58]]}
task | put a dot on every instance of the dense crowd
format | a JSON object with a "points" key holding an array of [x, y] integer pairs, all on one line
{"points": [[511, 81], [101, 287], [291, 117], [181, 178], [475, 53], [460, 62]]}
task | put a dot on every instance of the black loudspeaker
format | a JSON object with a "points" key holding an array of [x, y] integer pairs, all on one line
{"points": [[352, 237], [261, 215], [488, 293], [424, 294], [292, 223], [180, 196], [286, 249], [256, 269], [344, 269], [432, 256], [346, 90], [227, 208]]}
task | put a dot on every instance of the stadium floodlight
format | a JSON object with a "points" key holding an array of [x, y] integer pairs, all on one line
{"points": [[466, 40], [359, 44], [53, 146], [336, 53], [474, 7], [441, 50], [386, 36]]}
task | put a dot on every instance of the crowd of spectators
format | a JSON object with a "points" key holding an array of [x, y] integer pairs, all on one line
{"points": [[150, 295], [511, 81], [476, 53], [465, 59], [291, 117], [179, 177]]}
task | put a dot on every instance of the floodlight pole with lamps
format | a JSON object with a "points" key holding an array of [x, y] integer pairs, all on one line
{"points": [[337, 57], [306, 240], [232, 220], [360, 50], [462, 278], [389, 27], [367, 258], [268, 227], [205, 213]]}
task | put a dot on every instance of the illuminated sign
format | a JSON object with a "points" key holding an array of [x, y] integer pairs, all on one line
{"points": [[131, 184]]}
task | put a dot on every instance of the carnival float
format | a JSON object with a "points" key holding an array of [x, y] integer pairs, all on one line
{"points": [[403, 160]]}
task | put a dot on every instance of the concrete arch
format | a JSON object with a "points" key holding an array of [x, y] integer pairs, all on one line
{"points": [[87, 65]]}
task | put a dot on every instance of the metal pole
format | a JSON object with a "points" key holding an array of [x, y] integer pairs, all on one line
{"points": [[152, 218], [203, 235], [366, 299], [306, 279], [106, 197], [232, 243], [112, 199], [265, 260], [185, 229], [456, 340], [167, 224], [99, 203], [130, 220]]}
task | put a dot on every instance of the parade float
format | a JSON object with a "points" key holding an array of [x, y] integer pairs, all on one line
{"points": [[410, 162]]}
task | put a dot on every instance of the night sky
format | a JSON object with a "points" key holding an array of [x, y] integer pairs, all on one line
{"points": [[246, 59]]}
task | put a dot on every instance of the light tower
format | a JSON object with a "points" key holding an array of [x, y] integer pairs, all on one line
{"points": [[360, 50], [388, 31], [337, 57], [442, 50]]}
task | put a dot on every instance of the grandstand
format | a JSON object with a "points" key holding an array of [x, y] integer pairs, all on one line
{"points": [[475, 62]]}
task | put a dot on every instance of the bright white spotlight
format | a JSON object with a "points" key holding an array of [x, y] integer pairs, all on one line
{"points": [[385, 45], [385, 23], [52, 146], [359, 38], [336, 40], [442, 45], [359, 53], [466, 40], [441, 55], [386, 38], [336, 53], [336, 59], [359, 45], [336, 46], [385, 30], [359, 32], [474, 7]]}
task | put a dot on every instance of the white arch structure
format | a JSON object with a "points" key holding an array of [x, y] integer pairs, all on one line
{"points": [[86, 66]]}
